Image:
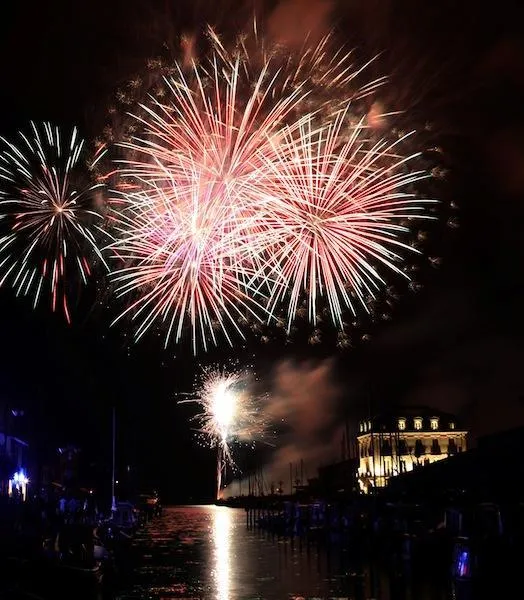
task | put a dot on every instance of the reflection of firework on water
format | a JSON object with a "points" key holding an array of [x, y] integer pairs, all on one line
{"points": [[230, 414], [49, 214], [244, 186]]}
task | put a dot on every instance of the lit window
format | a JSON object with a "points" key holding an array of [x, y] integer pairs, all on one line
{"points": [[361, 427], [452, 425], [434, 423], [417, 423], [369, 425], [402, 424]]}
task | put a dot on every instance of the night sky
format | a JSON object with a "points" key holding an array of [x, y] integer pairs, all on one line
{"points": [[454, 345]]}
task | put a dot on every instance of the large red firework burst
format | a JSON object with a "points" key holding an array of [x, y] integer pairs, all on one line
{"points": [[253, 180]]}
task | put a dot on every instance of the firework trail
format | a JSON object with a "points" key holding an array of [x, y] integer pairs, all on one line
{"points": [[230, 413], [48, 215], [253, 180]]}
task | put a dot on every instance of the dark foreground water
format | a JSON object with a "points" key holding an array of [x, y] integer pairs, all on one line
{"points": [[207, 553]]}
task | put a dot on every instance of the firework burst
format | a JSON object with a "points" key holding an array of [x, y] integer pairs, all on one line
{"points": [[254, 180], [336, 203], [191, 187], [188, 203], [230, 414], [48, 214]]}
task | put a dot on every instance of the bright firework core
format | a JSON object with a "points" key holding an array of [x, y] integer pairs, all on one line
{"points": [[230, 414], [223, 407]]}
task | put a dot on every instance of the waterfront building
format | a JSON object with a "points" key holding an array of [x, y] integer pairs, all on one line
{"points": [[403, 440], [13, 454], [13, 461], [485, 473]]}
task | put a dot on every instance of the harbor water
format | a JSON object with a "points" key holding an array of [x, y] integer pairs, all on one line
{"points": [[208, 553]]}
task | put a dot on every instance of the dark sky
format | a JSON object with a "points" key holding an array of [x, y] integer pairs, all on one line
{"points": [[456, 345]]}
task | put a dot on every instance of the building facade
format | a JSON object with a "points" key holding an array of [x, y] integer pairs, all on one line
{"points": [[402, 441], [485, 473], [13, 461], [13, 453]]}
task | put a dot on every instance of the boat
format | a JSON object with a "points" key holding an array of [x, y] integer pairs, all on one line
{"points": [[124, 517]]}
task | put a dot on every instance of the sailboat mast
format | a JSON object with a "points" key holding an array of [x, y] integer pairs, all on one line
{"points": [[113, 494]]}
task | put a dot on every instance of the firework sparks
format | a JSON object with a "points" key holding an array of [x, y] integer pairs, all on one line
{"points": [[230, 414], [48, 215], [183, 262], [339, 199], [248, 187], [186, 215]]}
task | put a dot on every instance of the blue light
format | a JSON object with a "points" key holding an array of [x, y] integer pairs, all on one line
{"points": [[20, 477], [463, 564]]}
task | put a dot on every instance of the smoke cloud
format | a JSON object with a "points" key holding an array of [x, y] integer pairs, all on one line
{"points": [[294, 21], [304, 407]]}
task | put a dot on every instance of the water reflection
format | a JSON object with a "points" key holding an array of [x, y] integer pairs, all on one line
{"points": [[207, 553], [222, 522]]}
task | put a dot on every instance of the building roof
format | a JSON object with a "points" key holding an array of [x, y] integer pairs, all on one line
{"points": [[388, 421]]}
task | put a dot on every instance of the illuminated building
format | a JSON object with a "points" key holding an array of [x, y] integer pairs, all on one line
{"points": [[13, 458], [399, 442], [13, 454], [17, 486], [481, 473]]}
